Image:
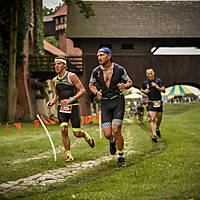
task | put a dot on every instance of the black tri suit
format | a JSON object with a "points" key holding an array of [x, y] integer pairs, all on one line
{"points": [[112, 102], [154, 96]]}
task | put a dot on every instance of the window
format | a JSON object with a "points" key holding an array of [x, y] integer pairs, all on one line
{"points": [[127, 46], [61, 20]]}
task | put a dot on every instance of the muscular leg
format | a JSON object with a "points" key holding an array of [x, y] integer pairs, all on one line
{"points": [[119, 140], [66, 143], [65, 137], [108, 133], [86, 136], [76, 124], [79, 134], [107, 129], [159, 119], [152, 116]]}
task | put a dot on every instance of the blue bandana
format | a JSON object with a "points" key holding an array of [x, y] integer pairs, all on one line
{"points": [[105, 50]]}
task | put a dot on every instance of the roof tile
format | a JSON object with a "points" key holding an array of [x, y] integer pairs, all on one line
{"points": [[136, 19]]}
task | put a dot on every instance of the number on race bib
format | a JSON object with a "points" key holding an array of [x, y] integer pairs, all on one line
{"points": [[65, 109], [156, 104]]}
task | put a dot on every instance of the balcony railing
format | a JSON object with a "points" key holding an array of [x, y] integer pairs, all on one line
{"points": [[42, 67]]}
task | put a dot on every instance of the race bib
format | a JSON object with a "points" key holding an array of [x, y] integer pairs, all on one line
{"points": [[156, 104], [65, 109]]}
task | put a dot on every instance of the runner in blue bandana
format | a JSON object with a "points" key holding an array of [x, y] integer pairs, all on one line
{"points": [[107, 82], [153, 87], [68, 90]]}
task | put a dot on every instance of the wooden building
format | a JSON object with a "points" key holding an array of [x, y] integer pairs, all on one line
{"points": [[131, 29]]}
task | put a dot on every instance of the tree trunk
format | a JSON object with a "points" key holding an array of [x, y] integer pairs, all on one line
{"points": [[12, 90]]}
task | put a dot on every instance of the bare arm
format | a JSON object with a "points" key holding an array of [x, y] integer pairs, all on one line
{"points": [[161, 89], [94, 90], [79, 86]]}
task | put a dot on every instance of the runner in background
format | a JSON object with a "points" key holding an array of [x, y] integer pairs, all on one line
{"points": [[153, 87]]}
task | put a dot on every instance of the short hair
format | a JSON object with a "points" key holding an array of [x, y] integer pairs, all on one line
{"points": [[150, 68]]}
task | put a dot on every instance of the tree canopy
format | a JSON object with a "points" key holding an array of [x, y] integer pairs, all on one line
{"points": [[85, 7], [50, 11]]}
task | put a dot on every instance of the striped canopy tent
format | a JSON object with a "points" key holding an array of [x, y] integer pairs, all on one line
{"points": [[176, 90]]}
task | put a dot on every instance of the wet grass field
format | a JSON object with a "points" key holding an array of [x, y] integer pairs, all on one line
{"points": [[167, 170]]}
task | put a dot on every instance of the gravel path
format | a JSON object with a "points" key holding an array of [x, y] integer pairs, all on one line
{"points": [[53, 176]]}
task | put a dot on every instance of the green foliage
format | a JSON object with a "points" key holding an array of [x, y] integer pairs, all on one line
{"points": [[23, 22], [4, 39], [39, 27], [52, 40], [85, 7], [4, 61], [50, 11], [24, 17], [3, 99]]}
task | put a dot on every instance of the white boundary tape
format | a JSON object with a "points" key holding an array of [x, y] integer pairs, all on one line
{"points": [[100, 132], [54, 151]]}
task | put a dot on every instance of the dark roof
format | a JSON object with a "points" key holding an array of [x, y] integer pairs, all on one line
{"points": [[136, 19]]}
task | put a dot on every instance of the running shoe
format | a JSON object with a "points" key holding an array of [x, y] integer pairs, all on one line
{"points": [[158, 133], [112, 148], [90, 141], [121, 162], [154, 139], [69, 159]]}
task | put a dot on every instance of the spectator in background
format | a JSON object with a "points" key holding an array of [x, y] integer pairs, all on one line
{"points": [[140, 112]]}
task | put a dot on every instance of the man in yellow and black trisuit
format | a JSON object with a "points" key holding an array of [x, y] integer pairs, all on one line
{"points": [[68, 89]]}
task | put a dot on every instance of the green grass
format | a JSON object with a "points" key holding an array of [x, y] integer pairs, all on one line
{"points": [[168, 170]]}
